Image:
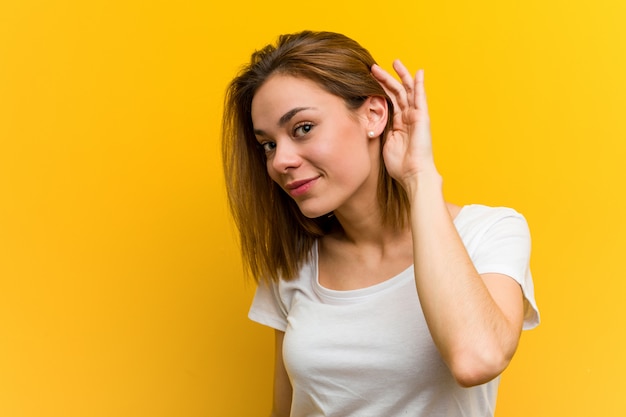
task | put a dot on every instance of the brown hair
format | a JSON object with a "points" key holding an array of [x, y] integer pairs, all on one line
{"points": [[276, 238]]}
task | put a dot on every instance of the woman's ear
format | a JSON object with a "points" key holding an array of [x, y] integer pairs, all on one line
{"points": [[377, 112]]}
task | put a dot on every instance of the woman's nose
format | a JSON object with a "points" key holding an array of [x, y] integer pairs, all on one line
{"points": [[285, 156]]}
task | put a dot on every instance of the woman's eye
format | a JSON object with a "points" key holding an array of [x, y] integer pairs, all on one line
{"points": [[268, 146], [302, 129]]}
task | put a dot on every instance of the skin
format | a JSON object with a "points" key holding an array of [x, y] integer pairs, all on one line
{"points": [[306, 133], [475, 320]]}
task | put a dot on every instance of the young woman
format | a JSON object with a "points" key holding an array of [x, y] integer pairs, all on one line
{"points": [[386, 300]]}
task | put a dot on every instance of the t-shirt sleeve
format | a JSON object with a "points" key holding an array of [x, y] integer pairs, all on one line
{"points": [[267, 307], [505, 249]]}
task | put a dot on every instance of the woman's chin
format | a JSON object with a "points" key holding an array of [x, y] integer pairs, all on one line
{"points": [[312, 212]]}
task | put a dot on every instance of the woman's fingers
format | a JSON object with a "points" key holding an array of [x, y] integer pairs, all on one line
{"points": [[392, 87], [410, 93], [420, 91], [407, 81], [380, 76]]}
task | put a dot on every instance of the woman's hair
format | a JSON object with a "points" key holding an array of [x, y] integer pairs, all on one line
{"points": [[276, 238]]}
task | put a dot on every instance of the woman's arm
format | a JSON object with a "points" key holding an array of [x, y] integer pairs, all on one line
{"points": [[281, 406], [474, 320]]}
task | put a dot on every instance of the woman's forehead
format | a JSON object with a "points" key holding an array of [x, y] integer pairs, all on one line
{"points": [[282, 94]]}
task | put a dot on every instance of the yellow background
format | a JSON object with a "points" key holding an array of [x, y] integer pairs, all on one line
{"points": [[121, 291]]}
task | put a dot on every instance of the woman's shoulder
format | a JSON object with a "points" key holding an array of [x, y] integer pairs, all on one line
{"points": [[481, 211], [476, 219], [453, 209]]}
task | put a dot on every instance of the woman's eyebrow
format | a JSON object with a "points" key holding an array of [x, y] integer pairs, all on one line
{"points": [[285, 118], [290, 114]]}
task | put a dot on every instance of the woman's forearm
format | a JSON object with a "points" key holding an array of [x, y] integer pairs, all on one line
{"points": [[473, 335]]}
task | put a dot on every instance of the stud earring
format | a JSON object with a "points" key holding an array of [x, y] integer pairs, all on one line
{"points": [[370, 133]]}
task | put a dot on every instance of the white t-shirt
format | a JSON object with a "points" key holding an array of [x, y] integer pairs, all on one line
{"points": [[368, 352]]}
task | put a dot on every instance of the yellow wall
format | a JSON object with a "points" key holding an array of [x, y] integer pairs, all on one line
{"points": [[120, 285]]}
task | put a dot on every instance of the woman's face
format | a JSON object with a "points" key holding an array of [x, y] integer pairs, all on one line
{"points": [[317, 149]]}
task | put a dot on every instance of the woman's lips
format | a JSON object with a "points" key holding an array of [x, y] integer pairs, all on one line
{"points": [[300, 187]]}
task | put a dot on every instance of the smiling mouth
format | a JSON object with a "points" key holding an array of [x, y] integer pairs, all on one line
{"points": [[298, 188]]}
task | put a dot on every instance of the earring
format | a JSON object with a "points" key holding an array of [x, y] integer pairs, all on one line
{"points": [[370, 133]]}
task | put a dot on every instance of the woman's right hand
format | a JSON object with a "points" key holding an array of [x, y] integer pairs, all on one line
{"points": [[408, 148]]}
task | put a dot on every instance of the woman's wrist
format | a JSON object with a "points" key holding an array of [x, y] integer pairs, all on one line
{"points": [[428, 180]]}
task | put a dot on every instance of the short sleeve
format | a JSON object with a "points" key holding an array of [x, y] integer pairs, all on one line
{"points": [[267, 307], [504, 248]]}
